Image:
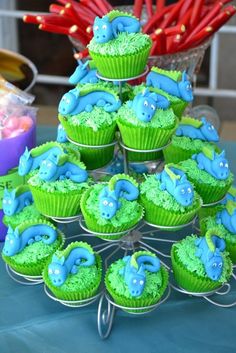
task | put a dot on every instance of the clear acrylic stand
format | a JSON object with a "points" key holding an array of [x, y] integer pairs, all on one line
{"points": [[23, 279]]}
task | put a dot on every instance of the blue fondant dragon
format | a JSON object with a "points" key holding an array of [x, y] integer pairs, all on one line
{"points": [[213, 163], [146, 103], [62, 167], [60, 268], [134, 269], [108, 27], [230, 196], [83, 74], [181, 89], [227, 217], [209, 250], [61, 134], [14, 201], [202, 130], [17, 240], [109, 198], [175, 182], [74, 102]]}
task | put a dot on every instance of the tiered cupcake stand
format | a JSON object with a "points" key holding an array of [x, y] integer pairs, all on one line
{"points": [[140, 237]]}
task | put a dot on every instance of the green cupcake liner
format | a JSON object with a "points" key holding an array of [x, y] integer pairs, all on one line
{"points": [[188, 280], [57, 204], [208, 211], [175, 154], [124, 66], [96, 158], [93, 225], [75, 295], [86, 135], [158, 215], [32, 269], [137, 302], [143, 157]]}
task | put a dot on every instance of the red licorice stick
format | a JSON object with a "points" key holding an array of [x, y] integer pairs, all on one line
{"points": [[160, 4], [159, 43], [54, 29], [75, 31], [149, 8], [196, 11], [81, 55], [30, 19], [185, 7], [54, 8], [93, 7], [56, 20], [137, 10], [69, 11], [172, 15], [102, 5], [155, 18]]}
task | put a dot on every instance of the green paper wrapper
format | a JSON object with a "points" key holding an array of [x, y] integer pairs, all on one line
{"points": [[158, 215], [188, 280], [208, 211], [124, 66], [33, 268], [139, 302], [96, 158], [144, 157], [93, 225]]}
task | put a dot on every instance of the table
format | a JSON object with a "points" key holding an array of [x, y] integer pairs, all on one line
{"points": [[32, 323]]}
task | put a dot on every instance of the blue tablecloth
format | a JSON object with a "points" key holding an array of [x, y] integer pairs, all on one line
{"points": [[31, 322]]}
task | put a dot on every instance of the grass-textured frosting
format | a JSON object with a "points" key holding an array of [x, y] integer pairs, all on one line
{"points": [[28, 213], [127, 216], [124, 44], [79, 286], [155, 286], [208, 187], [161, 207], [189, 270]]}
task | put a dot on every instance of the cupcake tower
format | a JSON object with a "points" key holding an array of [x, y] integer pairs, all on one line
{"points": [[59, 187]]}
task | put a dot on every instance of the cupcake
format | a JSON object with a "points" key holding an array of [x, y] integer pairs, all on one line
{"points": [[201, 264], [190, 138], [18, 206], [74, 273], [225, 221], [118, 48], [174, 84], [88, 117], [137, 281], [58, 186], [146, 123], [168, 198], [210, 174], [28, 247], [112, 207]]}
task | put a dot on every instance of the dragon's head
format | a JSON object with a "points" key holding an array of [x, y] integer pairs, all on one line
{"points": [[145, 106], [68, 103], [185, 88], [209, 131], [61, 134], [108, 203], [220, 166], [25, 163], [136, 282], [102, 29], [57, 271], [214, 265], [9, 202], [12, 242]]}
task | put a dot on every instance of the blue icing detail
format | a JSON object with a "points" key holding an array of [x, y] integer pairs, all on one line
{"points": [[13, 204], [228, 220], [205, 132], [50, 170], [27, 163], [83, 74], [146, 103], [16, 242], [109, 199], [61, 134], [181, 89], [212, 261], [105, 30], [60, 268], [179, 187], [135, 276], [73, 103], [218, 167]]}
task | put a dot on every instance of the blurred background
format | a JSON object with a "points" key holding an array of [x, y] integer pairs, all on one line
{"points": [[53, 56]]}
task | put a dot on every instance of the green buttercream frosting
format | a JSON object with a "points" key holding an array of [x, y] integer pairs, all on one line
{"points": [[228, 236], [140, 88], [124, 44], [151, 289], [190, 167], [187, 143], [151, 188], [164, 119], [62, 186], [28, 213], [129, 209], [186, 250]]}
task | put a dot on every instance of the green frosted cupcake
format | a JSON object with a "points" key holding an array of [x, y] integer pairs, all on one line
{"points": [[28, 213], [209, 173], [60, 197], [163, 208], [136, 281], [121, 55], [190, 138], [142, 135], [74, 273], [29, 246], [107, 208], [191, 273]]}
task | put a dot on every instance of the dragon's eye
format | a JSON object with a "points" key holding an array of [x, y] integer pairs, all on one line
{"points": [[153, 107], [9, 201], [11, 241], [44, 162], [221, 164], [214, 264], [4, 201], [96, 28], [49, 165], [189, 190], [145, 103], [50, 272], [67, 101], [57, 272], [105, 202], [134, 281], [111, 204], [104, 27], [220, 265], [226, 165], [182, 191], [141, 282]]}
